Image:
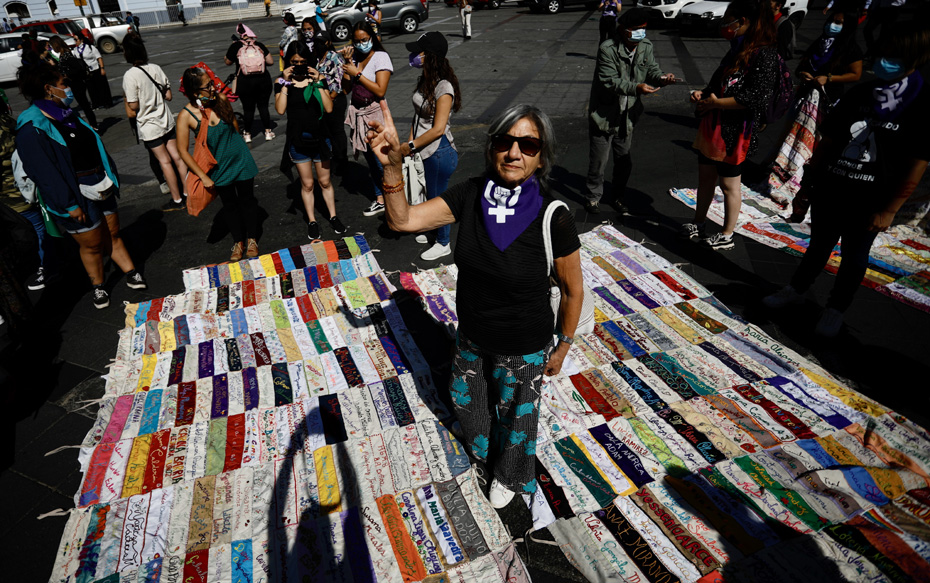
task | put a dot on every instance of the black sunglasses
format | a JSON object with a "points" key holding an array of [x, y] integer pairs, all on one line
{"points": [[504, 142]]}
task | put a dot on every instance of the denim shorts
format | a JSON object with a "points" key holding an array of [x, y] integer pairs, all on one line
{"points": [[301, 155], [93, 216]]}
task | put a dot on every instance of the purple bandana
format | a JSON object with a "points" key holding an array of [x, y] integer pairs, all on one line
{"points": [[507, 213], [822, 53], [891, 100], [60, 114]]}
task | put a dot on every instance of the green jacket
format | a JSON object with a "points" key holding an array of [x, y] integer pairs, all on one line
{"points": [[615, 106]]}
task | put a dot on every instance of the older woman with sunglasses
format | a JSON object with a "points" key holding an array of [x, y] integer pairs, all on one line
{"points": [[505, 336]]}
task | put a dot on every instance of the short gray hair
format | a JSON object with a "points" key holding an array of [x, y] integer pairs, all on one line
{"points": [[509, 118]]}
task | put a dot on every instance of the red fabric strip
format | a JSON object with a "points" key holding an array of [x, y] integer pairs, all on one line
{"points": [[322, 271], [783, 417], [235, 440], [305, 304], [155, 468], [278, 264], [187, 403], [196, 567], [248, 293], [96, 470], [593, 398]]}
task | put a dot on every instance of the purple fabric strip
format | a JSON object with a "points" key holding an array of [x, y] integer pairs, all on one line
{"points": [[628, 263], [380, 288], [250, 388], [205, 359], [638, 294], [181, 332], [611, 299], [220, 403]]}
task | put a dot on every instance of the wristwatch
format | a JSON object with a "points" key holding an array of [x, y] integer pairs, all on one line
{"points": [[412, 147], [358, 76], [566, 339]]}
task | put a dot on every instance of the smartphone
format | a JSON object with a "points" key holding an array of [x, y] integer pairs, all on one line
{"points": [[301, 71]]}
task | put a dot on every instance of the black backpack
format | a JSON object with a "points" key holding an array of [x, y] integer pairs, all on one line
{"points": [[74, 68]]}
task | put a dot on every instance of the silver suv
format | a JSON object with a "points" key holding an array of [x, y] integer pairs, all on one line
{"points": [[342, 15], [109, 30]]}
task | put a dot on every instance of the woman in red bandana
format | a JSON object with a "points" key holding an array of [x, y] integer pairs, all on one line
{"points": [[505, 335]]}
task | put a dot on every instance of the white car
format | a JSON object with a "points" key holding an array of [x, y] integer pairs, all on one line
{"points": [[108, 30], [666, 10], [11, 58], [707, 14], [306, 8]]}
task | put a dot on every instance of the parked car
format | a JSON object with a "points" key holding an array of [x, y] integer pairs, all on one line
{"points": [[109, 30], [492, 4], [341, 15], [553, 6], [68, 30], [664, 10], [10, 56], [707, 14]]}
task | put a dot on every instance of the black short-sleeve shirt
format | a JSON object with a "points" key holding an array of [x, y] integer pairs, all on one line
{"points": [[502, 297], [303, 117], [868, 155], [232, 53]]}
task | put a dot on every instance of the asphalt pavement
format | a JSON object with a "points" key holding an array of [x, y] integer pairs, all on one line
{"points": [[514, 56]]}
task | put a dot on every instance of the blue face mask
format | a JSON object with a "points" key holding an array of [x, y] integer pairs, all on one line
{"points": [[68, 99], [832, 29], [416, 60], [637, 35], [364, 47], [888, 69]]}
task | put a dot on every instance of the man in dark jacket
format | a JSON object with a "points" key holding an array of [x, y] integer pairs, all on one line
{"points": [[626, 70]]}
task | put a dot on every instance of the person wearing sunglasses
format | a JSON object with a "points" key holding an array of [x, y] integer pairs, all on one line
{"points": [[235, 171], [505, 335], [731, 110], [626, 70]]}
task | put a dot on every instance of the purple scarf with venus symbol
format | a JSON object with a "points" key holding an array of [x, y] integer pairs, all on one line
{"points": [[507, 213], [892, 99]]}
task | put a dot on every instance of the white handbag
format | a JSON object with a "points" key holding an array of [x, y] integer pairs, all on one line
{"points": [[414, 179], [586, 318]]}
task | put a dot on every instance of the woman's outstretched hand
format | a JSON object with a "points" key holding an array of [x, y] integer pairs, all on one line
{"points": [[383, 139]]}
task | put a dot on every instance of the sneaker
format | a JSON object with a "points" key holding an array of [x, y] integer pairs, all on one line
{"points": [[251, 248], [164, 188], [786, 296], [500, 495], [337, 225], [436, 251], [421, 239], [830, 323], [37, 281], [237, 250], [313, 231], [592, 207], [135, 280], [269, 135], [719, 241], [174, 205], [692, 231], [375, 208], [247, 137], [101, 298]]}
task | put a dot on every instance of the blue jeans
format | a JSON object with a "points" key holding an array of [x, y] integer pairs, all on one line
{"points": [[439, 168], [45, 241], [376, 170]]}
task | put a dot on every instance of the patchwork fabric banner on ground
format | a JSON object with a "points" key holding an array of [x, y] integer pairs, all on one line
{"points": [[680, 443], [276, 422], [899, 263]]}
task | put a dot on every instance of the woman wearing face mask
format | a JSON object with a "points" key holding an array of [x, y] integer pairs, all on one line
{"points": [[76, 177], [436, 97], [368, 68], [302, 93], [78, 75], [831, 62], [608, 23], [373, 18], [308, 31], [331, 63], [731, 109], [871, 157], [505, 334], [289, 35], [234, 174]]}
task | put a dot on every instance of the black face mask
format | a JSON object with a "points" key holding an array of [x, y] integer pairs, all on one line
{"points": [[301, 71]]}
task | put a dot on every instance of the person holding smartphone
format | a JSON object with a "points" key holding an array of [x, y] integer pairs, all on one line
{"points": [[302, 93], [626, 70]]}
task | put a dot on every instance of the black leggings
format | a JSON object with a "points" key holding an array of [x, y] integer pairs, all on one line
{"points": [[254, 91], [241, 208], [829, 222], [80, 94]]}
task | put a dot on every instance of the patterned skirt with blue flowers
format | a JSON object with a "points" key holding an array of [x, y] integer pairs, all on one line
{"points": [[496, 399]]}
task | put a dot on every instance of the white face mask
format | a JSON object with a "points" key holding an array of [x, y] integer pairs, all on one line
{"points": [[637, 35]]}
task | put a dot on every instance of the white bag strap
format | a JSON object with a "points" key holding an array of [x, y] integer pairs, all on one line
{"points": [[547, 232]]}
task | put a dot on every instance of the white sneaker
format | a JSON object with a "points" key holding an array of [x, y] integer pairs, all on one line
{"points": [[435, 252], [830, 323], [500, 495], [247, 137], [786, 296], [421, 239]]}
